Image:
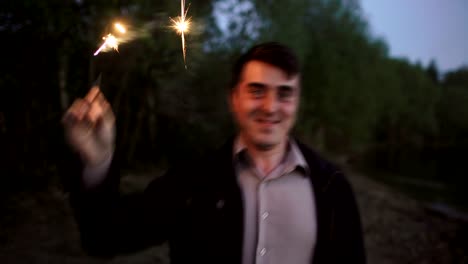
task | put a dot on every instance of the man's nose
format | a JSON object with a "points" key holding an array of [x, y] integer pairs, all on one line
{"points": [[270, 103]]}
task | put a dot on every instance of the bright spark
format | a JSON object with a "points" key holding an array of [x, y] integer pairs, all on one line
{"points": [[110, 42], [182, 25], [120, 28]]}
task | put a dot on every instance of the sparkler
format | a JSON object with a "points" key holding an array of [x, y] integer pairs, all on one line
{"points": [[182, 25], [110, 41]]}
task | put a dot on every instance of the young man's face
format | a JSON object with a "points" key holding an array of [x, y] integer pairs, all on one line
{"points": [[264, 104]]}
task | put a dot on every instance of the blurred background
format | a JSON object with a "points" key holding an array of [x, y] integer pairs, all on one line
{"points": [[385, 95]]}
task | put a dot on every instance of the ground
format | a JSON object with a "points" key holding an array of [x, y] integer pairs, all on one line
{"points": [[38, 227]]}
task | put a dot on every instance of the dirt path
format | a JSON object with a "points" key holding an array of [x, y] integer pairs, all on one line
{"points": [[39, 228], [399, 229]]}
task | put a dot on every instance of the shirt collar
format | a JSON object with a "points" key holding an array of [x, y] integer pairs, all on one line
{"points": [[293, 159]]}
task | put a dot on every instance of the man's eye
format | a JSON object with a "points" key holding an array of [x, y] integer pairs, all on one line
{"points": [[285, 93], [257, 92]]}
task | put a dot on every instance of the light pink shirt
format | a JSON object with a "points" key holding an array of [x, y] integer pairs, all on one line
{"points": [[279, 209]]}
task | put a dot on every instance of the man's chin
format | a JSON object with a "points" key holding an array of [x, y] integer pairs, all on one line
{"points": [[265, 145]]}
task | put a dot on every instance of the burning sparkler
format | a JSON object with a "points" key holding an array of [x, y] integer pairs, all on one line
{"points": [[182, 25], [110, 41]]}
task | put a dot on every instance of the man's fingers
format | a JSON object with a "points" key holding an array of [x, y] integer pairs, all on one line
{"points": [[107, 113], [69, 118], [95, 112], [92, 94], [100, 110], [76, 112], [91, 111]]}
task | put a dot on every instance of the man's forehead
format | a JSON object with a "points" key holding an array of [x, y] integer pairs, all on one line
{"points": [[260, 72]]}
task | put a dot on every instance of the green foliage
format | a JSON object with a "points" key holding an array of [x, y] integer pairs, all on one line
{"points": [[452, 110], [458, 77]]}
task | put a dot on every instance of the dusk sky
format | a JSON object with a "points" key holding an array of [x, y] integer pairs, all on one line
{"points": [[422, 29]]}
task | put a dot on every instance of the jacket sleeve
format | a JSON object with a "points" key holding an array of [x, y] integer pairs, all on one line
{"points": [[111, 223], [345, 227]]}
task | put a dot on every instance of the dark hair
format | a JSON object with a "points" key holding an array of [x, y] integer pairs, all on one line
{"points": [[272, 53]]}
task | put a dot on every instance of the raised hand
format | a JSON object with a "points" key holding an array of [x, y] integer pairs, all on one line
{"points": [[90, 127]]}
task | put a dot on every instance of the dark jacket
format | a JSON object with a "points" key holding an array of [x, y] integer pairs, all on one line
{"points": [[197, 207]]}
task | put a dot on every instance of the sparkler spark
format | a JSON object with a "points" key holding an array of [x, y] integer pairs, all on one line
{"points": [[120, 28], [182, 25], [110, 41]]}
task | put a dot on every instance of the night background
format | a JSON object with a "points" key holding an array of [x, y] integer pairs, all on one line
{"points": [[385, 95]]}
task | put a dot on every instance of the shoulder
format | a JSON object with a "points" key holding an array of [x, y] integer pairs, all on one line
{"points": [[324, 173], [317, 163]]}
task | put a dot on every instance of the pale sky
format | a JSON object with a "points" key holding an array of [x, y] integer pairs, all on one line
{"points": [[422, 29]]}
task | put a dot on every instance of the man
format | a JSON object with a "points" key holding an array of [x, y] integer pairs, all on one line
{"points": [[262, 198]]}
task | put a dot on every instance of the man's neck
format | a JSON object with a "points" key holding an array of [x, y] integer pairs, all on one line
{"points": [[266, 160]]}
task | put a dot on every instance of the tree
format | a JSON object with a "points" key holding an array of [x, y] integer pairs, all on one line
{"points": [[433, 72]]}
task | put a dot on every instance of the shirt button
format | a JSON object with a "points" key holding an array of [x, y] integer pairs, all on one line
{"points": [[263, 252], [265, 215]]}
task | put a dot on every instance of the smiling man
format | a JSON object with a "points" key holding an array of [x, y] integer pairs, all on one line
{"points": [[265, 103], [262, 198]]}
